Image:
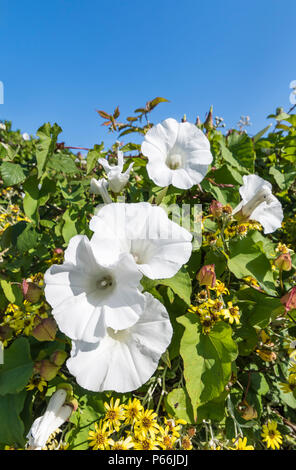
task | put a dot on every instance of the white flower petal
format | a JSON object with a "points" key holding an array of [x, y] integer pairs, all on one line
{"points": [[258, 203], [252, 184], [88, 296], [159, 246], [124, 360], [178, 154], [269, 216]]}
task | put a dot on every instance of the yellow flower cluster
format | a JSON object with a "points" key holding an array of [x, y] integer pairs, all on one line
{"points": [[130, 426], [211, 310], [241, 230], [10, 215], [23, 319]]}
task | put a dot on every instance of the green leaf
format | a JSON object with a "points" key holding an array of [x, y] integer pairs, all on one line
{"points": [[69, 229], [227, 155], [178, 404], [12, 173], [62, 163], [247, 260], [17, 368], [214, 409], [258, 309], [261, 133], [27, 239], [30, 200], [180, 285], [242, 148], [12, 427], [246, 339], [89, 411], [47, 144], [207, 359], [12, 292]]}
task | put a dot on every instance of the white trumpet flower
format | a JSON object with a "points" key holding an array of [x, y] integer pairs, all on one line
{"points": [[123, 360], [57, 412], [116, 178], [89, 294], [258, 203], [100, 187], [178, 153], [159, 246]]}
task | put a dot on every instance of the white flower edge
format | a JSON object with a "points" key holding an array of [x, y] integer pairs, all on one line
{"points": [[159, 246], [88, 294], [178, 154], [258, 203], [123, 360]]}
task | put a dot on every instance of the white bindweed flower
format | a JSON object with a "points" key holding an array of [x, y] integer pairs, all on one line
{"points": [[26, 136], [57, 412], [178, 153], [159, 246], [100, 187], [88, 294], [2, 126], [116, 178], [123, 360], [258, 203]]}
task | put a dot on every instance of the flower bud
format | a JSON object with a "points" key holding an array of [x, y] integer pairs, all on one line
{"points": [[68, 388], [284, 262], [58, 357], [266, 355], [31, 291], [46, 369], [216, 208], [289, 299], [46, 330], [207, 276], [58, 251], [208, 124]]}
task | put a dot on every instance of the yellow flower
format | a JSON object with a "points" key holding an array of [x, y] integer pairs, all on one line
{"points": [[145, 443], [186, 443], [231, 313], [132, 410], [220, 288], [99, 438], [123, 444], [146, 424], [282, 248], [167, 441], [114, 414], [174, 425], [241, 444], [271, 435], [36, 382]]}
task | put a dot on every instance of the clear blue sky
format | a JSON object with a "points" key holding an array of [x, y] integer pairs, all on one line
{"points": [[63, 59]]}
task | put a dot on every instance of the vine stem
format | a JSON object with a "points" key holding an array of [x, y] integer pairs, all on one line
{"points": [[163, 389]]}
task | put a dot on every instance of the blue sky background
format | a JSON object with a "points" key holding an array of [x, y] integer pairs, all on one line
{"points": [[63, 59]]}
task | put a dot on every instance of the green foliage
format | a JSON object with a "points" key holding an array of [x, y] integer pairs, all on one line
{"points": [[17, 368], [226, 377]]}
